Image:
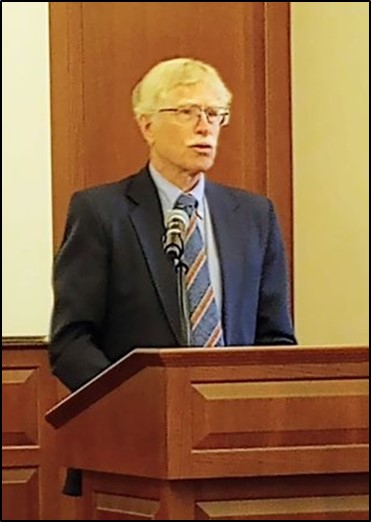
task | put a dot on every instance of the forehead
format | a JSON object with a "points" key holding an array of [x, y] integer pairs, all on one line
{"points": [[201, 93]]}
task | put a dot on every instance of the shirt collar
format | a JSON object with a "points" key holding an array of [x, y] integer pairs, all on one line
{"points": [[169, 192]]}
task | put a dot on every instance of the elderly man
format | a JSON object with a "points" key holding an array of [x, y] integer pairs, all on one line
{"points": [[115, 286]]}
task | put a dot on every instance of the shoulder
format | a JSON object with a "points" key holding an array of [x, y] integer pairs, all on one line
{"points": [[240, 199], [104, 192], [105, 198]]}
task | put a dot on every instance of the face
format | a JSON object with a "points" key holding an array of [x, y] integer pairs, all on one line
{"points": [[183, 147]]}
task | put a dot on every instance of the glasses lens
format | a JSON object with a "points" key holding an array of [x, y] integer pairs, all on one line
{"points": [[214, 115]]}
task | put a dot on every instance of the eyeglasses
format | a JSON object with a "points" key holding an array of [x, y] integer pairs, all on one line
{"points": [[187, 113]]}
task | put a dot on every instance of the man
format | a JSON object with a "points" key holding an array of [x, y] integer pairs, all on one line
{"points": [[115, 287]]}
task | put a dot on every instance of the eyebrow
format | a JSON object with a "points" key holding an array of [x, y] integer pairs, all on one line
{"points": [[198, 104]]}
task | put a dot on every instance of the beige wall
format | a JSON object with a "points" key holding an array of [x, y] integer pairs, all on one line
{"points": [[330, 124], [27, 245]]}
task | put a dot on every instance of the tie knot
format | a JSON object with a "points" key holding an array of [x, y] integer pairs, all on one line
{"points": [[187, 202]]}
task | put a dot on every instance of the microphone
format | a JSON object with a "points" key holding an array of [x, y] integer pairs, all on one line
{"points": [[176, 225]]}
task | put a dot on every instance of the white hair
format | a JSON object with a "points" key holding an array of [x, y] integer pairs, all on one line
{"points": [[166, 75]]}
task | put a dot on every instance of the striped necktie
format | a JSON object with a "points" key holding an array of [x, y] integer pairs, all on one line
{"points": [[205, 324]]}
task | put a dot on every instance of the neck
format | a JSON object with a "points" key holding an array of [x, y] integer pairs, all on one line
{"points": [[184, 180]]}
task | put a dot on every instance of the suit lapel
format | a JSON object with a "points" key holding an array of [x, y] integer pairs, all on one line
{"points": [[147, 220], [223, 208]]}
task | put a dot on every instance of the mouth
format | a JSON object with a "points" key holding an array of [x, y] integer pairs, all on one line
{"points": [[202, 148]]}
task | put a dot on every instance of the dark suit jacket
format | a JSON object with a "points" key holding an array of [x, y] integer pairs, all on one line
{"points": [[115, 289]]}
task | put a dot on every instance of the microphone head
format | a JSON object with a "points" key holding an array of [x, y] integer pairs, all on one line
{"points": [[176, 223], [177, 214]]}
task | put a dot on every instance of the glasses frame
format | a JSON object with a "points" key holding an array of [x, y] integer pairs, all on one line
{"points": [[197, 110]]}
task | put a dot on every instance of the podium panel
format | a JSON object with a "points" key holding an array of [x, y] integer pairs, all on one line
{"points": [[246, 433]]}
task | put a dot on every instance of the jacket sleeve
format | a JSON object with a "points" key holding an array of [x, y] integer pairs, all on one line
{"points": [[274, 324], [80, 290]]}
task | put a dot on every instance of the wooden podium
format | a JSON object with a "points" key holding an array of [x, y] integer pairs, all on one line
{"points": [[222, 434]]}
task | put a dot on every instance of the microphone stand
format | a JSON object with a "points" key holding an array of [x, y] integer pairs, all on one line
{"points": [[176, 223], [181, 269]]}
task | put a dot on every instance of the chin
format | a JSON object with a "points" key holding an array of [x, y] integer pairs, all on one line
{"points": [[202, 165]]}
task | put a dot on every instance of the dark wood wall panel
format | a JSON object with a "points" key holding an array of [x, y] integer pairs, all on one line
{"points": [[278, 116], [31, 475], [20, 493], [20, 387]]}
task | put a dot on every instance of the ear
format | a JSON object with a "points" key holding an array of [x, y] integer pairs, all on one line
{"points": [[146, 125]]}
